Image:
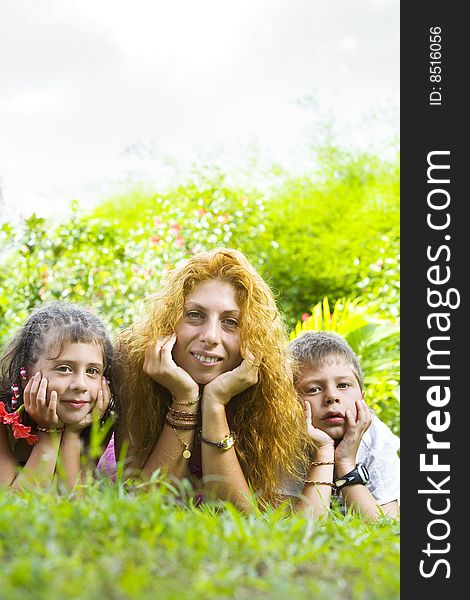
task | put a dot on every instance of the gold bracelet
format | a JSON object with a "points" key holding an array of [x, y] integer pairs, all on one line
{"points": [[50, 429], [326, 462], [190, 403], [186, 451], [331, 484]]}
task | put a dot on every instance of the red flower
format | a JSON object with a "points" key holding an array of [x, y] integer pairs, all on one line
{"points": [[23, 431], [3, 412], [179, 241], [19, 430], [305, 317], [8, 418]]}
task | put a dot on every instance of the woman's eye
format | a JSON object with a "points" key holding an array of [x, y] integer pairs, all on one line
{"points": [[194, 314], [231, 322]]}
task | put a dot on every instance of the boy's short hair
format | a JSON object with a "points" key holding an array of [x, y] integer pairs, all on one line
{"points": [[317, 348]]}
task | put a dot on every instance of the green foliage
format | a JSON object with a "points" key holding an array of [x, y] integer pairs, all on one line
{"points": [[376, 342], [100, 263], [105, 542], [332, 233]]}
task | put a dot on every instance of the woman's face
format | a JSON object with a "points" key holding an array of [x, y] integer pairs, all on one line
{"points": [[208, 334]]}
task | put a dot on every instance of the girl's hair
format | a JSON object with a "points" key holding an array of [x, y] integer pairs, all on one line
{"points": [[268, 417], [47, 330], [319, 348]]}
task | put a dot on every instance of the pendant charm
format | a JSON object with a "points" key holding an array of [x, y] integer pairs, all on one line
{"points": [[186, 453]]}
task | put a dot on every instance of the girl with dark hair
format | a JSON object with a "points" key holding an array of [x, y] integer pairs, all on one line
{"points": [[53, 377], [206, 392]]}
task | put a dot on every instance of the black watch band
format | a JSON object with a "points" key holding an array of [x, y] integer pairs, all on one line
{"points": [[359, 474], [225, 444]]}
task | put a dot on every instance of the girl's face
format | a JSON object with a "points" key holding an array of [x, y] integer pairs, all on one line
{"points": [[208, 334], [330, 390], [76, 376]]}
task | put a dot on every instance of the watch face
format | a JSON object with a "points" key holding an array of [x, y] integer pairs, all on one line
{"points": [[228, 443]]}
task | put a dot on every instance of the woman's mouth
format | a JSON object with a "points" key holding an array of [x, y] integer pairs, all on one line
{"points": [[205, 360]]}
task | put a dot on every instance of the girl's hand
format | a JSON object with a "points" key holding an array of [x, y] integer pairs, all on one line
{"points": [[346, 451], [321, 438], [160, 366], [227, 385], [97, 411], [42, 411]]}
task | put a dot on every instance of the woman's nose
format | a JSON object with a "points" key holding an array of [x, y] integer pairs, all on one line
{"points": [[210, 332]]}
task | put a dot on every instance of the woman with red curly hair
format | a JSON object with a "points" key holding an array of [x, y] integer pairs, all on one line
{"points": [[206, 390]]}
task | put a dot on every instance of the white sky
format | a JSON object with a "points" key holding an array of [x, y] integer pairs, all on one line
{"points": [[98, 91]]}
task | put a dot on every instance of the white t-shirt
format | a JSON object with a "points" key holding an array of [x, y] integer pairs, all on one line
{"points": [[378, 452]]}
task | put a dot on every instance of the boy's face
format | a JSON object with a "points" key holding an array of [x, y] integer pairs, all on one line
{"points": [[330, 390]]}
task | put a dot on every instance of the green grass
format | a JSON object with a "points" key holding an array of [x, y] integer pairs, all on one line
{"points": [[108, 543]]}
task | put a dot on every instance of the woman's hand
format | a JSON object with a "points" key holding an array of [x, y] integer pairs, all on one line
{"points": [[97, 411], [321, 438], [160, 366], [346, 451], [227, 385], [42, 411]]}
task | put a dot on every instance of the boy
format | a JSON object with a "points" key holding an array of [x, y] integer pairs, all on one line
{"points": [[356, 452]]}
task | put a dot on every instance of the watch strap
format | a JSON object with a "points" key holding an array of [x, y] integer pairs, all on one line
{"points": [[359, 475], [224, 444]]}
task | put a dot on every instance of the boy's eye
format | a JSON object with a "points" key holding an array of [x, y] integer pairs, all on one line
{"points": [[314, 389]]}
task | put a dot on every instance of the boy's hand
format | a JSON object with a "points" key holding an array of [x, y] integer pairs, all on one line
{"points": [[42, 411], [346, 451], [160, 366], [321, 438], [227, 385]]}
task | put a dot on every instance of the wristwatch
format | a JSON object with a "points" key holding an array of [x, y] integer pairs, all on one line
{"points": [[225, 443], [359, 474]]}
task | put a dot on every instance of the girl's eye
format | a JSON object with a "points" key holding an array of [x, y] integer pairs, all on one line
{"points": [[93, 371], [343, 385], [64, 369]]}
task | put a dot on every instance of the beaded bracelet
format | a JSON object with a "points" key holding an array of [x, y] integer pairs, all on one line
{"points": [[190, 403], [320, 483], [183, 427], [50, 429], [182, 413], [326, 462]]}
